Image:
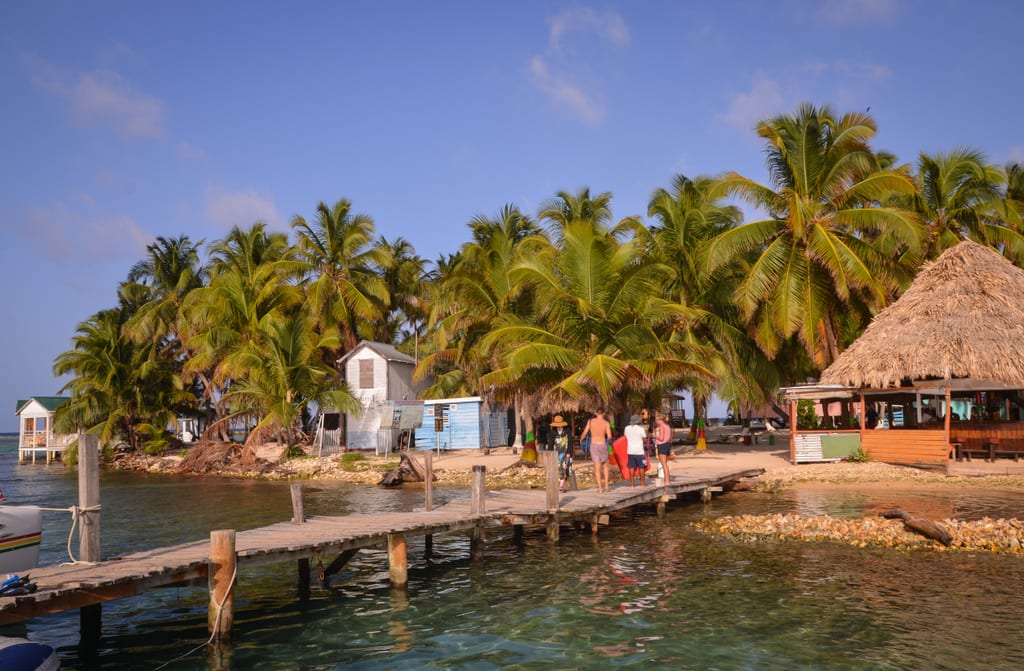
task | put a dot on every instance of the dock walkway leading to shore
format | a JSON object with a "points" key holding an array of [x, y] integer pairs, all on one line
{"points": [[81, 585]]}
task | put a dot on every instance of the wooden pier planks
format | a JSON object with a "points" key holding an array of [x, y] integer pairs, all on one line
{"points": [[66, 587]]}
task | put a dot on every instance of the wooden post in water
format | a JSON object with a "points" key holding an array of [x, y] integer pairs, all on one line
{"points": [[477, 507], [398, 566], [428, 495], [662, 500], [298, 513], [90, 617], [221, 615], [551, 470]]}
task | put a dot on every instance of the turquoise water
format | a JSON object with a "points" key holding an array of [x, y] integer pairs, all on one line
{"points": [[649, 592]]}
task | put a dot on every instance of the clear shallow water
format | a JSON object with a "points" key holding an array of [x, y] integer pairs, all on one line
{"points": [[648, 591]]}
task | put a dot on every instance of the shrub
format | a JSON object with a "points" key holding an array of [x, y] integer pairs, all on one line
{"points": [[859, 455], [806, 418]]}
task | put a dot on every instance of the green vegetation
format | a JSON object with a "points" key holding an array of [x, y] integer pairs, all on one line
{"points": [[568, 309], [859, 455]]}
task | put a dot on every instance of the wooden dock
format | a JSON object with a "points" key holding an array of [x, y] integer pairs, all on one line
{"points": [[331, 541]]}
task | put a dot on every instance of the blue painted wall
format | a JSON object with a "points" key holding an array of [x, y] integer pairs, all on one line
{"points": [[462, 430]]}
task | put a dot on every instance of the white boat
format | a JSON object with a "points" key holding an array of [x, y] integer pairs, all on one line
{"points": [[21, 529]]}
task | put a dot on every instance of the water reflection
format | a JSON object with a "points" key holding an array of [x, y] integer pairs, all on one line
{"points": [[647, 591]]}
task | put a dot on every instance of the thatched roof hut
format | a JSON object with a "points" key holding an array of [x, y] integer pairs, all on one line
{"points": [[963, 317]]}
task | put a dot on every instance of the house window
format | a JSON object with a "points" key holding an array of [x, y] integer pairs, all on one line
{"points": [[366, 373]]}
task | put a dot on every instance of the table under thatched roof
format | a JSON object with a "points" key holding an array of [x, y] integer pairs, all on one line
{"points": [[963, 317]]}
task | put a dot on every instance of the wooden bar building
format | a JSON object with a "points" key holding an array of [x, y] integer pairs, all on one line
{"points": [[937, 375]]}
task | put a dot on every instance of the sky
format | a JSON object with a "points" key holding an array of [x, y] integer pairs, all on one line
{"points": [[124, 121]]}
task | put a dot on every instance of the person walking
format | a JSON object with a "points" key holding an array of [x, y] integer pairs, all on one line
{"points": [[600, 432], [663, 441], [559, 443], [636, 460]]}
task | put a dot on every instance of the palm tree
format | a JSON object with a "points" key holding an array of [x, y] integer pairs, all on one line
{"points": [[119, 389], [339, 261], [814, 256], [689, 217], [286, 374], [171, 270], [224, 321], [597, 332], [404, 278], [474, 292], [960, 194]]}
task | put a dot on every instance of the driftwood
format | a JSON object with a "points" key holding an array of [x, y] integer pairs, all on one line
{"points": [[408, 470], [926, 528]]}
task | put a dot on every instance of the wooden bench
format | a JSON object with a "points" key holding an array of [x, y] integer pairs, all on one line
{"points": [[990, 449]]}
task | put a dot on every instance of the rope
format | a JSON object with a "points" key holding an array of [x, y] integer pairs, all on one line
{"points": [[216, 624], [76, 512]]}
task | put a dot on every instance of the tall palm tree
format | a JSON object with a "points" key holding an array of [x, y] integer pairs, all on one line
{"points": [[688, 217], [813, 257], [960, 194], [340, 262], [224, 321], [119, 389], [286, 374], [404, 275], [170, 270], [597, 335], [474, 292]]}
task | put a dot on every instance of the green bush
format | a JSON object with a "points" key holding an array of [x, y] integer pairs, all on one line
{"points": [[859, 455], [806, 418]]}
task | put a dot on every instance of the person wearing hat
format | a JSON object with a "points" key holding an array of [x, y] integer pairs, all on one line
{"points": [[558, 442], [636, 459]]}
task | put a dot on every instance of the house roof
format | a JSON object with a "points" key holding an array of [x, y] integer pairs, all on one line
{"points": [[383, 350], [51, 403], [962, 317]]}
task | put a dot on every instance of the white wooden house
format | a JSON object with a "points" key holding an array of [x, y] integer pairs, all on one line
{"points": [[378, 375], [35, 429]]}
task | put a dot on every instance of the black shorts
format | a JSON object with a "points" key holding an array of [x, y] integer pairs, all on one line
{"points": [[665, 448]]}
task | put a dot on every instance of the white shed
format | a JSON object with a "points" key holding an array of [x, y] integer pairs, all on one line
{"points": [[35, 428], [376, 374]]}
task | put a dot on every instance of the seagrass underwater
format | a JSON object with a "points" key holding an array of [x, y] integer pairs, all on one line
{"points": [[647, 590]]}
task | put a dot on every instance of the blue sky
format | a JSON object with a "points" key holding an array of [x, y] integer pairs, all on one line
{"points": [[124, 121]]}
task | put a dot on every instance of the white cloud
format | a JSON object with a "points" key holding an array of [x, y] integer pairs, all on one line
{"points": [[101, 98], [81, 235], [584, 19], [764, 99], [190, 152], [565, 94], [843, 12], [872, 73], [240, 208], [559, 77]]}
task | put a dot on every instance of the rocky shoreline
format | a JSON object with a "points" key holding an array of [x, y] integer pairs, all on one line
{"points": [[985, 535]]}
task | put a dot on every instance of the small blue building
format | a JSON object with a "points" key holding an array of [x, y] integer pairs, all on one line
{"points": [[460, 424]]}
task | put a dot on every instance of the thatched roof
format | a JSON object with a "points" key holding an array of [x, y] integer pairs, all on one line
{"points": [[963, 317]]}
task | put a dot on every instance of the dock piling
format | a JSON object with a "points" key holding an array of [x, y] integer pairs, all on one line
{"points": [[221, 615], [298, 513], [398, 563], [478, 506], [428, 495]]}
